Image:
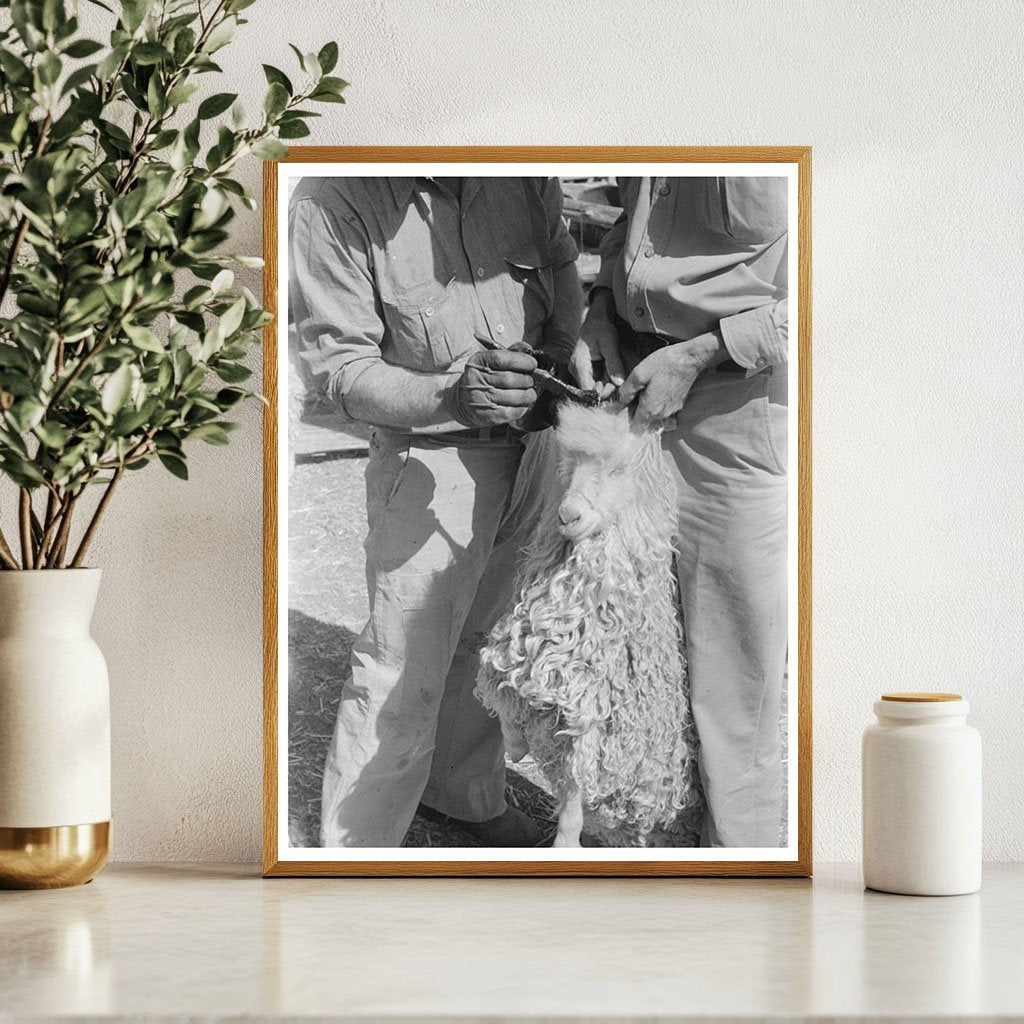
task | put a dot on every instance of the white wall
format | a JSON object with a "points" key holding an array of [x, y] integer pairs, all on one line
{"points": [[914, 113]]}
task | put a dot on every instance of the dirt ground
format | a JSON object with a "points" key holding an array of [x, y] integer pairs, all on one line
{"points": [[326, 610]]}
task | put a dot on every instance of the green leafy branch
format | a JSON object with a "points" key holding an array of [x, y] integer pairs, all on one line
{"points": [[125, 334]]}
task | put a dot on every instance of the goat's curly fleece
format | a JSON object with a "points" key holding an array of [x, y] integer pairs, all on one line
{"points": [[587, 672]]}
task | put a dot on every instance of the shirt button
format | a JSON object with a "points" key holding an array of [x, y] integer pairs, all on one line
{"points": [[479, 271], [664, 190], [429, 311], [639, 310], [500, 329], [648, 253]]}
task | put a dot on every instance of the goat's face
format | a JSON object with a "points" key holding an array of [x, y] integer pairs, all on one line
{"points": [[598, 455]]}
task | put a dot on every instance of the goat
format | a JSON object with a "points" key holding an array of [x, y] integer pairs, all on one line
{"points": [[587, 672]]}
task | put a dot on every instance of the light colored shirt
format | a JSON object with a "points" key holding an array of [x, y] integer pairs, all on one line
{"points": [[405, 271], [692, 255]]}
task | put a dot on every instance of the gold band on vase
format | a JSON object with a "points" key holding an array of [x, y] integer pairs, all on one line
{"points": [[52, 857]]}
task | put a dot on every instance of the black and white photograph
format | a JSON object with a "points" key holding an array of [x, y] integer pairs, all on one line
{"points": [[536, 514]]}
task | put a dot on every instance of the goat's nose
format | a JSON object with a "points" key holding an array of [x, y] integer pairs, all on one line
{"points": [[568, 514]]}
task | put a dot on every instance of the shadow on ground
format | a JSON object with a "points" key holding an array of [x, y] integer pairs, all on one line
{"points": [[319, 666]]}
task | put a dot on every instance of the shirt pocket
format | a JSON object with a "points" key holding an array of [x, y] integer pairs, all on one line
{"points": [[426, 332], [749, 210], [533, 279]]}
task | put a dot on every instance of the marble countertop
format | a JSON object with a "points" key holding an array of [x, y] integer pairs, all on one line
{"points": [[175, 942]]}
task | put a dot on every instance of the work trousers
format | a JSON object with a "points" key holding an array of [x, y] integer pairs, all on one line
{"points": [[446, 524], [730, 451]]}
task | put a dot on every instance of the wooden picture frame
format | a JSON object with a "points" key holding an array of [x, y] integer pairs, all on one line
{"points": [[277, 862]]}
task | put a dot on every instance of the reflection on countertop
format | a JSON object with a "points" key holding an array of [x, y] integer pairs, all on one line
{"points": [[179, 941]]}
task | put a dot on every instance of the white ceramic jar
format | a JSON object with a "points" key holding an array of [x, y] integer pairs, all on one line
{"points": [[921, 777]]}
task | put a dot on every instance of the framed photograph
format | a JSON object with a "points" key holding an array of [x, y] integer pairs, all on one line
{"points": [[537, 511]]}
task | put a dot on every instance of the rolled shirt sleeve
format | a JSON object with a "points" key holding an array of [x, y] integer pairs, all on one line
{"points": [[332, 295], [757, 338]]}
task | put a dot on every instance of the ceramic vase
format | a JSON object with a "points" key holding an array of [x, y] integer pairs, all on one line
{"points": [[54, 731]]}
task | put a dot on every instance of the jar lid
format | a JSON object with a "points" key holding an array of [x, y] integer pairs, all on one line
{"points": [[921, 705], [921, 698]]}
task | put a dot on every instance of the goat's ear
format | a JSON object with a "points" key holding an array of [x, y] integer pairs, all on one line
{"points": [[651, 426], [628, 413], [621, 412], [616, 408], [660, 426]]}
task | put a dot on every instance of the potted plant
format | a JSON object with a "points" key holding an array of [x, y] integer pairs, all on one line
{"points": [[122, 340]]}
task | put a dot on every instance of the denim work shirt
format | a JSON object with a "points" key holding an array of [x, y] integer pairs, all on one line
{"points": [[694, 254], [404, 271]]}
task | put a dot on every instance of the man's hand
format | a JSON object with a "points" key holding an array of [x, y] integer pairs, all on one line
{"points": [[598, 340], [495, 387], [664, 378]]}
